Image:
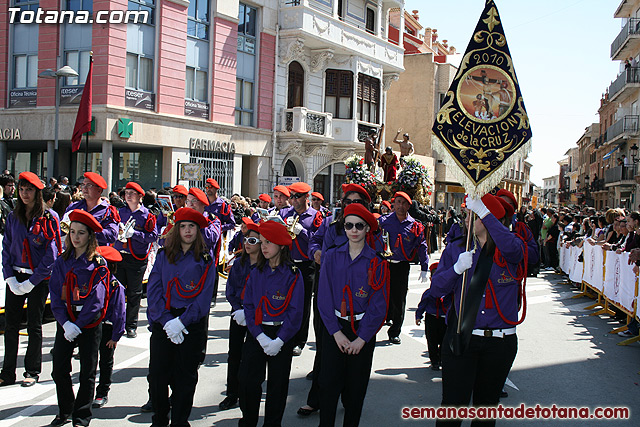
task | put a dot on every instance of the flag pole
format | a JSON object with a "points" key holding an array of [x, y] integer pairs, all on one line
{"points": [[470, 231], [86, 152]]}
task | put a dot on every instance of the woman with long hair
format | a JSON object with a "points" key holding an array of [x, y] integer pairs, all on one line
{"points": [[273, 306], [79, 288], [179, 293], [29, 249], [496, 269], [353, 297], [235, 289]]}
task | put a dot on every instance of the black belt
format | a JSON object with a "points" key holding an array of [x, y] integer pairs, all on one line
{"points": [[175, 312]]}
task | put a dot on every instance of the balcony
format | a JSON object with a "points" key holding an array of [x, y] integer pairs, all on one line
{"points": [[620, 175], [629, 79], [625, 127], [627, 42], [625, 9], [319, 30], [307, 125], [351, 130]]}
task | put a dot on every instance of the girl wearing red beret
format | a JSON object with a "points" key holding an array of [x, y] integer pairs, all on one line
{"points": [[273, 306], [79, 287], [179, 293], [29, 249]]}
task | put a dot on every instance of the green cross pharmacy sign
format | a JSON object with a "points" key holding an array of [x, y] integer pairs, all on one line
{"points": [[125, 128]]}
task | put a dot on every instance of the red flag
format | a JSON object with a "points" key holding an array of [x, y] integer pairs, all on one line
{"points": [[83, 119]]}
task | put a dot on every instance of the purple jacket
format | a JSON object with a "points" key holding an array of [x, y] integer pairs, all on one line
{"points": [[116, 311], [235, 244], [145, 231], [106, 215], [274, 286], [337, 272], [406, 237], [222, 210], [43, 249], [328, 236], [310, 221], [90, 295], [435, 306], [446, 281], [211, 234], [189, 289], [238, 277]]}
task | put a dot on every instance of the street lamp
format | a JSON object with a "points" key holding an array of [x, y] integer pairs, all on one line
{"points": [[634, 153], [65, 71]]}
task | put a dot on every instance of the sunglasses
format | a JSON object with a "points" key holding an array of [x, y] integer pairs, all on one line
{"points": [[315, 199], [347, 202], [297, 195], [252, 241], [179, 196], [349, 225]]}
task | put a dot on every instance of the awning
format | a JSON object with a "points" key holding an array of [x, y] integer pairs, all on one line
{"points": [[606, 156]]}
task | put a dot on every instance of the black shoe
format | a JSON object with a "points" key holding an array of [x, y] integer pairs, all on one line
{"points": [[59, 421], [100, 401], [435, 366], [4, 383], [228, 403], [29, 380], [131, 333], [310, 376], [304, 412], [297, 350], [395, 340], [503, 393], [147, 407]]}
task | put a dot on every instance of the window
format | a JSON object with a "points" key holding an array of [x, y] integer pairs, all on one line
{"points": [[25, 71], [409, 30], [196, 84], [25, 5], [139, 73], [296, 85], [245, 74], [198, 21], [80, 5], [368, 98], [79, 61], [340, 10], [145, 5], [338, 94], [370, 22]]}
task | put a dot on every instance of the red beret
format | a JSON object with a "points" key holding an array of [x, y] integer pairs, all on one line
{"points": [[135, 186], [254, 227], [284, 190], [403, 195], [387, 204], [358, 210], [188, 214], [180, 189], [212, 182], [247, 220], [509, 195], [84, 217], [275, 233], [96, 179], [318, 195], [507, 206], [32, 178], [199, 194], [376, 215], [300, 187], [346, 188], [265, 198], [109, 253], [494, 206], [433, 266]]}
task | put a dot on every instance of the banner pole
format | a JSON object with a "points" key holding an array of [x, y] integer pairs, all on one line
{"points": [[472, 220]]}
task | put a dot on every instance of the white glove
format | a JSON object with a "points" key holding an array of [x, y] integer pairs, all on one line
{"points": [[71, 330], [274, 347], [26, 286], [477, 206], [423, 276], [238, 316], [465, 260], [129, 233], [263, 340], [13, 284], [176, 339], [174, 327], [297, 228]]}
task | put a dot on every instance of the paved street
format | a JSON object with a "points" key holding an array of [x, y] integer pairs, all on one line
{"points": [[565, 357]]}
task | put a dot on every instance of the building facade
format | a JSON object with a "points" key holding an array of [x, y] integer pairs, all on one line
{"points": [[550, 190]]}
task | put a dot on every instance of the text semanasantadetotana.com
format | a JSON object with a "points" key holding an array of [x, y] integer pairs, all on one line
{"points": [[518, 412]]}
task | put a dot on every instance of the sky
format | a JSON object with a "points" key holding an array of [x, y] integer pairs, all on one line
{"points": [[561, 53]]}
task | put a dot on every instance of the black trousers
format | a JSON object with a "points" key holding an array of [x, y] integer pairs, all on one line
{"points": [[105, 361], [307, 270], [252, 374], [237, 336], [130, 273], [435, 328], [176, 366], [481, 371], [554, 257], [346, 375], [399, 284], [313, 398], [79, 406], [36, 300]]}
